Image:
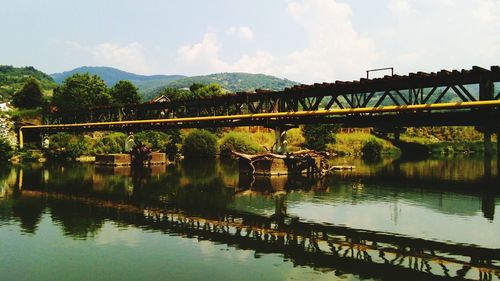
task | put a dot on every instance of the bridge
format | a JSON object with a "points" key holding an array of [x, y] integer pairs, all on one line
{"points": [[444, 98]]}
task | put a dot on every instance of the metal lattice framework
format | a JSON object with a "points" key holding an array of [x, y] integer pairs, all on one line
{"points": [[476, 84]]}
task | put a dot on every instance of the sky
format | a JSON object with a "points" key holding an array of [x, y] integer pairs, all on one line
{"points": [[303, 40]]}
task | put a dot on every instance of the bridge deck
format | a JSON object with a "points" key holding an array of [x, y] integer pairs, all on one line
{"points": [[445, 98]]}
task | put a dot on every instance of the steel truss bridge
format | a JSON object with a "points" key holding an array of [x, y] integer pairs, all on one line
{"points": [[444, 98]]}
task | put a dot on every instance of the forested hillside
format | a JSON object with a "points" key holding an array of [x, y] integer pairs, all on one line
{"points": [[13, 78]]}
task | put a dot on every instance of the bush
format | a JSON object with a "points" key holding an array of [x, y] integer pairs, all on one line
{"points": [[156, 141], [238, 141], [372, 148], [6, 150], [318, 136], [200, 143], [295, 139], [29, 96], [65, 146], [111, 143]]}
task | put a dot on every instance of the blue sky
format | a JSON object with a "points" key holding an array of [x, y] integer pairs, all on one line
{"points": [[304, 40]]}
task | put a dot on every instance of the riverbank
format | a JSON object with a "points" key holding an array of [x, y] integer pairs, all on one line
{"points": [[352, 143]]}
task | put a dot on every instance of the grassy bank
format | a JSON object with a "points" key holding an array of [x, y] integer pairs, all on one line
{"points": [[351, 144], [448, 140]]}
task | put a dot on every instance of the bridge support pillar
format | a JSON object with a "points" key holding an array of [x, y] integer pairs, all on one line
{"points": [[488, 153], [488, 147], [21, 139], [397, 136], [280, 140], [498, 153]]}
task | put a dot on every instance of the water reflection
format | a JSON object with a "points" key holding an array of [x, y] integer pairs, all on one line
{"points": [[367, 222]]}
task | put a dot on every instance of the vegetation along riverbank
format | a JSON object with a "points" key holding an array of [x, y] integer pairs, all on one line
{"points": [[28, 93]]}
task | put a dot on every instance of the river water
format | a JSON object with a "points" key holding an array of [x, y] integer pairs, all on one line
{"points": [[198, 220]]}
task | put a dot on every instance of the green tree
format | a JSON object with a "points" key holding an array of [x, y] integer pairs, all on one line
{"points": [[6, 150], [174, 93], [124, 92], [200, 144], [202, 91], [65, 146], [29, 96], [240, 142], [318, 136], [81, 91], [155, 140]]}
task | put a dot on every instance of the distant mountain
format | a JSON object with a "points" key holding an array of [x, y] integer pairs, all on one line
{"points": [[112, 75], [232, 82], [151, 86], [13, 78], [236, 81]]}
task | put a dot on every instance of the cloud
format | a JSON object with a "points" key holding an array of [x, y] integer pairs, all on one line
{"points": [[333, 46], [399, 7], [261, 62], [129, 57], [201, 57], [242, 32], [487, 11]]}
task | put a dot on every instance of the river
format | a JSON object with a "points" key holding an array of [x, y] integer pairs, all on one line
{"points": [[198, 220]]}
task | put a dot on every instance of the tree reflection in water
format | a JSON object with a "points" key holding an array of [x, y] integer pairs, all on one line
{"points": [[192, 200]]}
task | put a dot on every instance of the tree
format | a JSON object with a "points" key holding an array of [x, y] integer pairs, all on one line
{"points": [[318, 136], [174, 93], [29, 96], [65, 146], [6, 150], [124, 92], [202, 91], [200, 144], [81, 91]]}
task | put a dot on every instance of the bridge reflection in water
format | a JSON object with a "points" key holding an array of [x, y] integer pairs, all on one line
{"points": [[175, 201]]}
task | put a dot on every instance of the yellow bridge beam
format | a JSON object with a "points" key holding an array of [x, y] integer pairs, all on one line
{"points": [[380, 109]]}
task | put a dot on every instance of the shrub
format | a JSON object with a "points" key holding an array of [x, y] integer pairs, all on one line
{"points": [[200, 143], [156, 141], [110, 143], [238, 141], [295, 139], [65, 146], [6, 150], [318, 136], [372, 148]]}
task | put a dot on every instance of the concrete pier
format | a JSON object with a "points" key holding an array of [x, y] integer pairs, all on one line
{"points": [[126, 159]]}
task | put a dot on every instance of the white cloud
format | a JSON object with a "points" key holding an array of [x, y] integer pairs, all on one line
{"points": [[242, 32], [399, 7], [261, 62], [487, 11], [129, 57], [441, 34], [201, 57], [333, 46]]}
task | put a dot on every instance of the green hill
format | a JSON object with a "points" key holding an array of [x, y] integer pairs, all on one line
{"points": [[13, 78], [151, 86], [232, 82], [112, 75]]}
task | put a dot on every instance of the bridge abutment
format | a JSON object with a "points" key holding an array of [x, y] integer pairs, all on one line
{"points": [[280, 140], [498, 153], [488, 146]]}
